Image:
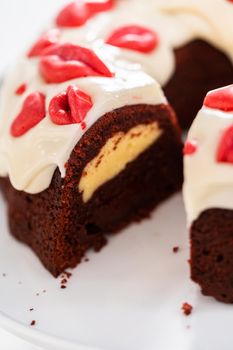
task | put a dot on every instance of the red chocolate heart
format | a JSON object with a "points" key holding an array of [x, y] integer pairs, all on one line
{"points": [[221, 99], [46, 40], [32, 112], [70, 107], [78, 12], [190, 148], [134, 37], [63, 62], [225, 148]]}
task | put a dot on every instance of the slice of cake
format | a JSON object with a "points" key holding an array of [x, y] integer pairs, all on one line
{"points": [[208, 194], [86, 147]]}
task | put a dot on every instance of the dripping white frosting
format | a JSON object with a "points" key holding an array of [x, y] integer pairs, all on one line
{"points": [[208, 183]]}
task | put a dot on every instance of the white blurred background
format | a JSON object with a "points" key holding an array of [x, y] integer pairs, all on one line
{"points": [[20, 23]]}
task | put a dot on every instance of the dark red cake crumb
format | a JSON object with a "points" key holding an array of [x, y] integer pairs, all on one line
{"points": [[187, 309], [67, 274], [86, 259], [176, 249], [33, 323]]}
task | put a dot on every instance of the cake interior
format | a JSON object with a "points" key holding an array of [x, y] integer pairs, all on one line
{"points": [[200, 67], [211, 253]]}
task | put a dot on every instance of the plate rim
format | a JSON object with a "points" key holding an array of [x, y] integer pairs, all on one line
{"points": [[39, 338]]}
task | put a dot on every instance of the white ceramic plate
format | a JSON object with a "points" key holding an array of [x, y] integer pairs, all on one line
{"points": [[127, 297]]}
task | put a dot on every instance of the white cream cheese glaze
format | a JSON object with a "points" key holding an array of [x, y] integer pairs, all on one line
{"points": [[208, 183]]}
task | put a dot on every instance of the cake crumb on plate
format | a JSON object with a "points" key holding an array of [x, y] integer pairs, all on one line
{"points": [[176, 249], [187, 309]]}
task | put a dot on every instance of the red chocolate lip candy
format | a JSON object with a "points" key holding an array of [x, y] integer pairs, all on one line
{"points": [[221, 99], [63, 62], [134, 37], [78, 12], [70, 107], [225, 148], [32, 112], [46, 40]]}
